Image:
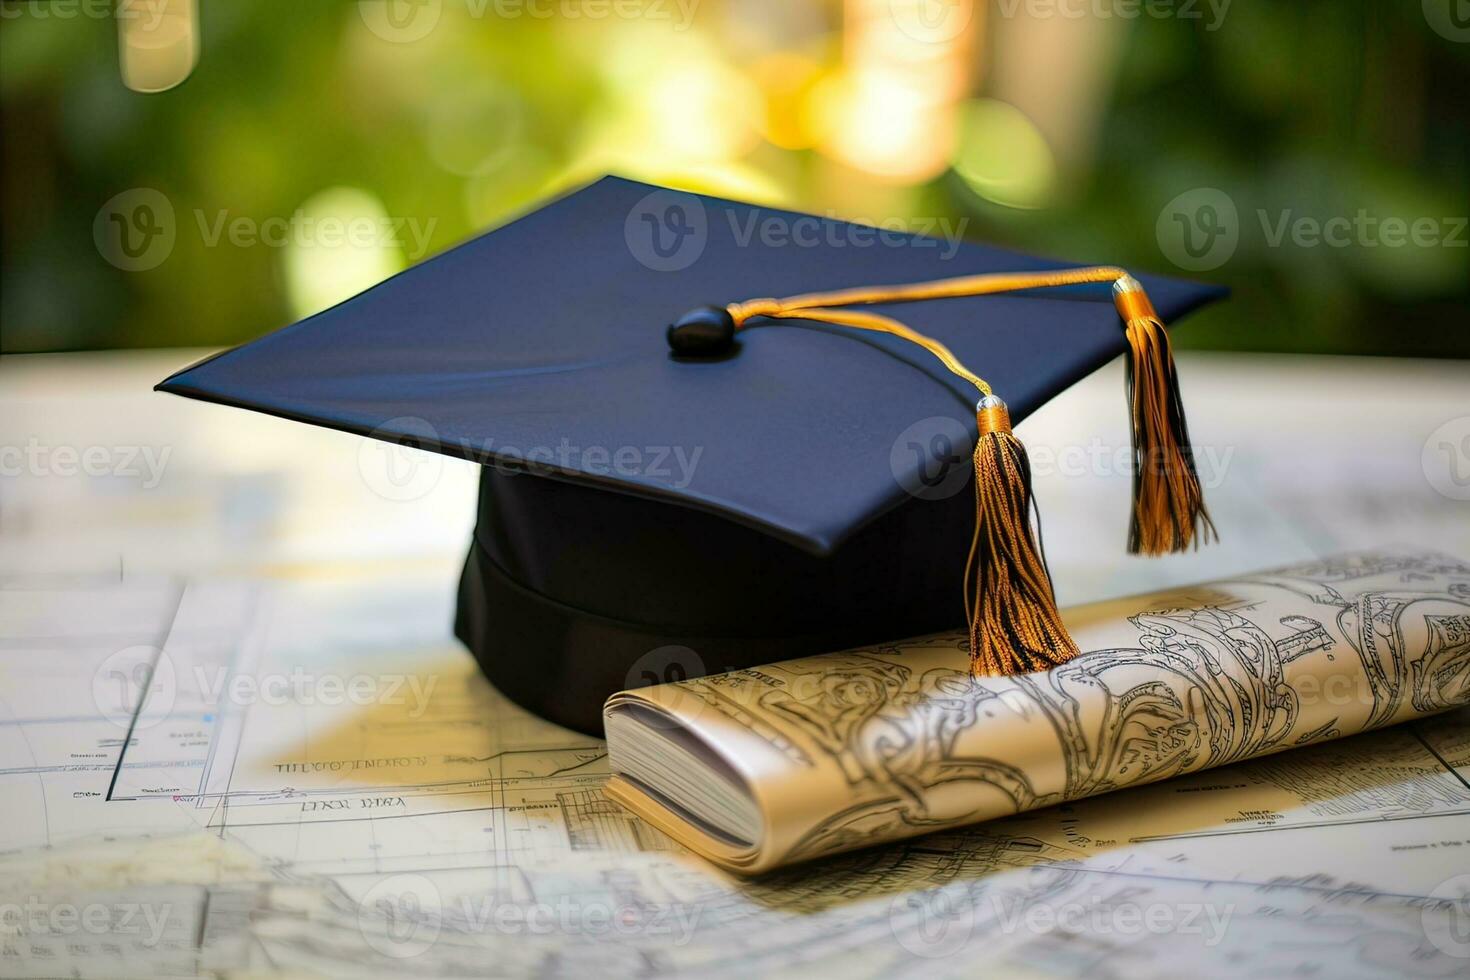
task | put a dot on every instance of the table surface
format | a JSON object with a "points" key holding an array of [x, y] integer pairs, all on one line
{"points": [[104, 481]]}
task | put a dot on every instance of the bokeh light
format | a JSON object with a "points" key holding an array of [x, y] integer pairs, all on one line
{"points": [[338, 243], [1067, 135], [158, 43], [1003, 157]]}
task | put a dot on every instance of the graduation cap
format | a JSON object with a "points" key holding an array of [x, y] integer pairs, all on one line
{"points": [[683, 476]]}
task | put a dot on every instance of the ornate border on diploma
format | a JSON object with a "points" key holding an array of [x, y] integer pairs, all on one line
{"points": [[1204, 684]]}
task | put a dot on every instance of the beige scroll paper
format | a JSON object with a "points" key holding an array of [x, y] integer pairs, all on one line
{"points": [[845, 750]]}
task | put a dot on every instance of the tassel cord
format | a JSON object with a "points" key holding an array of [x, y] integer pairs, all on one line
{"points": [[1010, 604]]}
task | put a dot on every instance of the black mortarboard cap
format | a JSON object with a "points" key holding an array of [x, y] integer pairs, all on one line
{"points": [[646, 514]]}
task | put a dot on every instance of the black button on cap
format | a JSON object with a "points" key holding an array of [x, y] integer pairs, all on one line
{"points": [[702, 332]]}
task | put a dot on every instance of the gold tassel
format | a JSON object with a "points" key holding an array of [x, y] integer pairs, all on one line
{"points": [[1011, 607], [1168, 505], [1015, 626]]}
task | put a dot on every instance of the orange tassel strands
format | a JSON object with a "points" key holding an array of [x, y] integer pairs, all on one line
{"points": [[1015, 626], [1168, 504], [1009, 601]]}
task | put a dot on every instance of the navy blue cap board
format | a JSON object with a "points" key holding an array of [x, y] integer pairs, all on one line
{"points": [[657, 513]]}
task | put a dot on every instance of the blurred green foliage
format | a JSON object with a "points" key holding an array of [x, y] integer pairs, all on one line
{"points": [[1315, 109]]}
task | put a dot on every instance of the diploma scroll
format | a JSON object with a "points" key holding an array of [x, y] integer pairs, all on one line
{"points": [[846, 750]]}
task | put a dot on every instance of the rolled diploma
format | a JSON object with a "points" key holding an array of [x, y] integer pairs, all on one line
{"points": [[850, 749]]}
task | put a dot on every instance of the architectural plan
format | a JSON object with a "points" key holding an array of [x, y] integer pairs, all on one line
{"points": [[285, 796]]}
